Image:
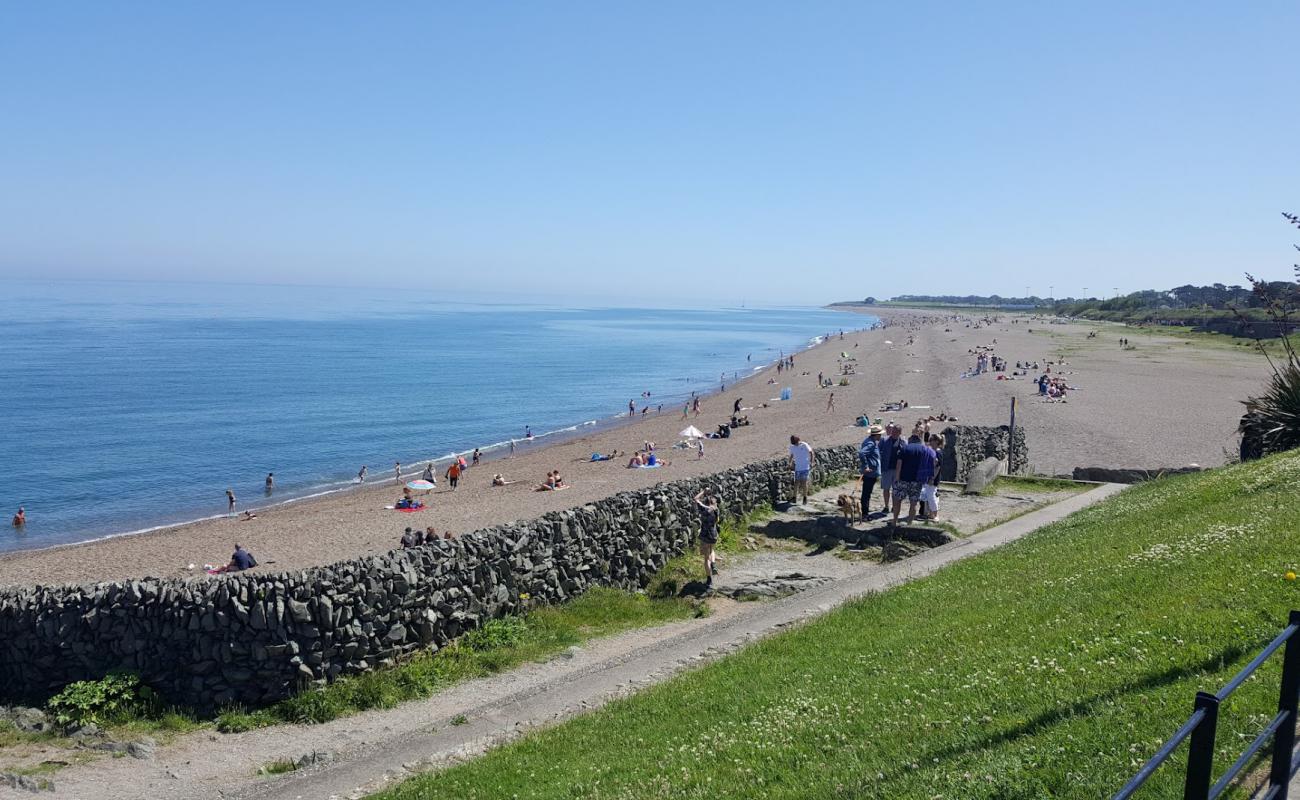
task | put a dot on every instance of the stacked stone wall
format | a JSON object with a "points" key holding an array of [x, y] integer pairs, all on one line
{"points": [[965, 446], [256, 637]]}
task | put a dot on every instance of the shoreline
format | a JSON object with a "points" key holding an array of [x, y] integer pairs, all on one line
{"points": [[490, 453], [1164, 405]]}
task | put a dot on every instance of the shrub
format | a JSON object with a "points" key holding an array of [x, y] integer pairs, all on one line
{"points": [[114, 697]]}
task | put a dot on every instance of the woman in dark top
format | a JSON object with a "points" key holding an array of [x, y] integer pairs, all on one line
{"points": [[708, 508]]}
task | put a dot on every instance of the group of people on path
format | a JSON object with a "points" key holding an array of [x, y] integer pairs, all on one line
{"points": [[904, 469]]}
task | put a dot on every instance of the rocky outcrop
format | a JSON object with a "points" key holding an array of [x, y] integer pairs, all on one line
{"points": [[255, 637]]}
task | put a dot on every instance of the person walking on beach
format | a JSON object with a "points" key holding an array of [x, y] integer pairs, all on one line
{"points": [[802, 457], [631, 408], [869, 463], [735, 408], [453, 475], [528, 432], [686, 409], [512, 448], [397, 471], [477, 457], [270, 482], [696, 406], [20, 519], [707, 505], [699, 449], [361, 476], [230, 501], [830, 402]]}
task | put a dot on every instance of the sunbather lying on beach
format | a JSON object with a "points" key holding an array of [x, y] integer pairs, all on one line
{"points": [[600, 457]]}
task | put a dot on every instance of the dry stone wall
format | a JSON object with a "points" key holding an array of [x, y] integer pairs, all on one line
{"points": [[255, 637], [965, 446]]}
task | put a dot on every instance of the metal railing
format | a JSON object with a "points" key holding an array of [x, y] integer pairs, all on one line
{"points": [[1202, 726]]}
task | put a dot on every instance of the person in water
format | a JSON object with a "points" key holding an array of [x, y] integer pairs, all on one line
{"points": [[361, 476], [270, 482], [230, 501], [20, 519]]}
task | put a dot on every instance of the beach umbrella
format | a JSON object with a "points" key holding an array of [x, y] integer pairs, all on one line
{"points": [[420, 486], [692, 433]]}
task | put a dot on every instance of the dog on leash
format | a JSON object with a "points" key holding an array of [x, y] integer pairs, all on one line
{"points": [[849, 507]]}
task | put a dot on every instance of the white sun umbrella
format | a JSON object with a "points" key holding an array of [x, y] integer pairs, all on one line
{"points": [[692, 433]]}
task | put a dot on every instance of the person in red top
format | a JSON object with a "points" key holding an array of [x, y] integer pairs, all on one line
{"points": [[453, 474]]}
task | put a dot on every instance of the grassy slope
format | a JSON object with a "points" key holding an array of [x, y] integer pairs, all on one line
{"points": [[1051, 667]]}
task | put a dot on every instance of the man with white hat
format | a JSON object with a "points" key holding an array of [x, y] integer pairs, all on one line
{"points": [[869, 461]]}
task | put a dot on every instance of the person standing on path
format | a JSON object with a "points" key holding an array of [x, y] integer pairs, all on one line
{"points": [[361, 475], [930, 489], [230, 500], [453, 475], [910, 460], [397, 471], [830, 402], [802, 458], [708, 508], [888, 446], [869, 462]]}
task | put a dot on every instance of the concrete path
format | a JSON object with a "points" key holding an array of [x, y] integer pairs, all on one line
{"points": [[368, 751]]}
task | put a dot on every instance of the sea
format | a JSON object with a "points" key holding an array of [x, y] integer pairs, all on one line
{"points": [[132, 406]]}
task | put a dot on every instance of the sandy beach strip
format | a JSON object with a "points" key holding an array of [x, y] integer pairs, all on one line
{"points": [[1165, 403]]}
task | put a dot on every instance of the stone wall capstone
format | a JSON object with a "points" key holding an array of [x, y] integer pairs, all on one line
{"points": [[253, 638], [965, 446]]}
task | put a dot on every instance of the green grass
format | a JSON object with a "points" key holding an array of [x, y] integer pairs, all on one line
{"points": [[497, 646], [1031, 485], [1052, 667], [277, 767]]}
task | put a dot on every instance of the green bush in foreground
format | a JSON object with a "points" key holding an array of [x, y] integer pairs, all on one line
{"points": [[115, 697], [498, 645], [1052, 667]]}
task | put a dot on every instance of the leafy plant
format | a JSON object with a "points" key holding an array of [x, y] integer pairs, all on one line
{"points": [[1271, 423], [113, 697]]}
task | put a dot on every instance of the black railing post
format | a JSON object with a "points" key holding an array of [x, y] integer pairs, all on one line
{"points": [[1200, 750], [1284, 739]]}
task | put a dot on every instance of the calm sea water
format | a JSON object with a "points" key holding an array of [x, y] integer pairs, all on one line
{"points": [[127, 406]]}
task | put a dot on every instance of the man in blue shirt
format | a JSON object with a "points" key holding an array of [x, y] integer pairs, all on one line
{"points": [[914, 461], [869, 463], [241, 560]]}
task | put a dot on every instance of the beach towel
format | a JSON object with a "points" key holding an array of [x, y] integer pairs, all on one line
{"points": [[405, 510]]}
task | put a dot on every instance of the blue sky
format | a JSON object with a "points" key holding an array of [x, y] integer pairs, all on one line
{"points": [[639, 153]]}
